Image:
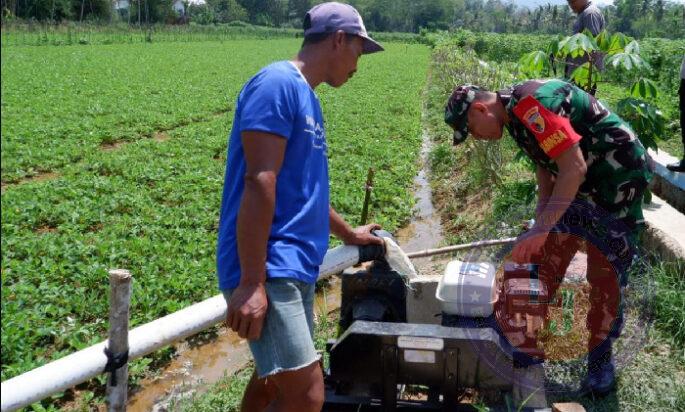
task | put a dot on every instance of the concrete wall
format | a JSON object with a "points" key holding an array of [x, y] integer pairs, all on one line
{"points": [[668, 185]]}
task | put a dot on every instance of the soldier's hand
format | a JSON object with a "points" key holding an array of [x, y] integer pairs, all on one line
{"points": [[527, 247]]}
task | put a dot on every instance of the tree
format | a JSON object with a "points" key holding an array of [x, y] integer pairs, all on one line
{"points": [[225, 11], [659, 10], [297, 9], [429, 13], [202, 13]]}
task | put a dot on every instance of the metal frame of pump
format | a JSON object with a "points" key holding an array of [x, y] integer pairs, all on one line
{"points": [[378, 350]]}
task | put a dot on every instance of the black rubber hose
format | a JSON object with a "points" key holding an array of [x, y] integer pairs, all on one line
{"points": [[368, 253]]}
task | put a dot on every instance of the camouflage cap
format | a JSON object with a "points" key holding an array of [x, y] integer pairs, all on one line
{"points": [[456, 109]]}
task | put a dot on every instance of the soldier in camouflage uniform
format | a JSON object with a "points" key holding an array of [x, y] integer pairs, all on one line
{"points": [[591, 172]]}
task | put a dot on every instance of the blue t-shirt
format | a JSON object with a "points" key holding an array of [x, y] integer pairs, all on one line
{"points": [[279, 100]]}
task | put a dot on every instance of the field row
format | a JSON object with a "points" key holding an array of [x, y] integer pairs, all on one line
{"points": [[152, 206], [73, 33]]}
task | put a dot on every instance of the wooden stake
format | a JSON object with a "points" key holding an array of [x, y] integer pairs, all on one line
{"points": [[119, 304], [367, 197]]}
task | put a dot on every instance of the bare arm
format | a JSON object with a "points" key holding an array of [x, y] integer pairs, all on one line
{"points": [[572, 170], [264, 154], [263, 158], [545, 181], [359, 236]]}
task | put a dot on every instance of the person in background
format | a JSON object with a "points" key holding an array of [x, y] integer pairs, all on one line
{"points": [[680, 166], [276, 216], [590, 17]]}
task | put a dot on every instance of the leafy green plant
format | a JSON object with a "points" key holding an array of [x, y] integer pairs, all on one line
{"points": [[620, 53]]}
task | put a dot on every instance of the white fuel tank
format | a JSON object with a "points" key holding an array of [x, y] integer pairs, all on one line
{"points": [[467, 289]]}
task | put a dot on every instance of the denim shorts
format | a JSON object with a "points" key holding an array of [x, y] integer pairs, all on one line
{"points": [[287, 339]]}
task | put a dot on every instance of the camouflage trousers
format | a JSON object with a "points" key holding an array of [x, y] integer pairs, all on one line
{"points": [[611, 247]]}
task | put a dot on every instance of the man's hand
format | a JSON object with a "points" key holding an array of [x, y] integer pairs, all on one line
{"points": [[362, 236], [531, 245], [246, 310], [359, 236]]}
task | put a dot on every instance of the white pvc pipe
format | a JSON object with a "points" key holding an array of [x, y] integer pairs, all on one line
{"points": [[339, 259], [67, 372]]}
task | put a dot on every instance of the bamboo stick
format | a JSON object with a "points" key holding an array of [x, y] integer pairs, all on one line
{"points": [[456, 248]]}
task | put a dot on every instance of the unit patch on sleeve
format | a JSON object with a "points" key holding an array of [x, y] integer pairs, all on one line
{"points": [[533, 120], [554, 133]]}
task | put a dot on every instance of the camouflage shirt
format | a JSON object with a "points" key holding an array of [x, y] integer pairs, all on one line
{"points": [[549, 116]]}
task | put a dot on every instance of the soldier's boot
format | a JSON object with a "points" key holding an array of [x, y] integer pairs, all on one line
{"points": [[601, 374]]}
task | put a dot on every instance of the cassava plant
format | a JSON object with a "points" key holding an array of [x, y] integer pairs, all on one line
{"points": [[621, 53]]}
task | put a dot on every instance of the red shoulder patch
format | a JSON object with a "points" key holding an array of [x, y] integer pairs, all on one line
{"points": [[553, 132], [534, 120]]}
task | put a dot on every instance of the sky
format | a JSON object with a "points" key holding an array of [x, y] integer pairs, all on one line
{"points": [[535, 3]]}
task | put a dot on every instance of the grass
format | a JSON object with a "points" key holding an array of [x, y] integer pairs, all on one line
{"points": [[225, 395], [651, 382], [668, 101], [663, 55], [113, 156], [151, 205], [670, 301], [469, 202], [61, 104]]}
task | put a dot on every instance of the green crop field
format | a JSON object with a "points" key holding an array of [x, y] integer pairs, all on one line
{"points": [[126, 146], [114, 150]]}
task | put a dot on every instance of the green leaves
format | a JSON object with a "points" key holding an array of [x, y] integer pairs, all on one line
{"points": [[534, 64], [626, 60], [603, 40], [152, 205], [622, 54], [612, 44], [581, 75], [645, 118], [644, 89], [553, 46], [577, 45], [633, 47]]}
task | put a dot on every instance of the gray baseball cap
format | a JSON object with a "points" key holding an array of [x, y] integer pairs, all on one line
{"points": [[333, 16]]}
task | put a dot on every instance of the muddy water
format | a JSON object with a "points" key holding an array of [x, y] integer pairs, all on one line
{"points": [[425, 231], [199, 364]]}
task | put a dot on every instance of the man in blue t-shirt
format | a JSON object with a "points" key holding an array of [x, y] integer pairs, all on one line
{"points": [[276, 216]]}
